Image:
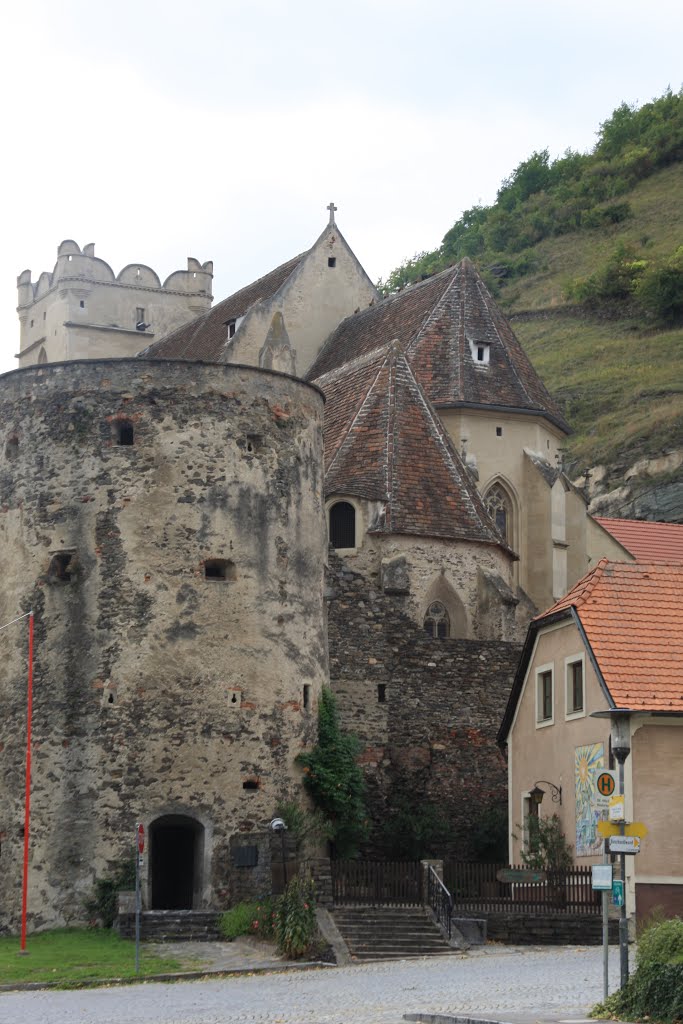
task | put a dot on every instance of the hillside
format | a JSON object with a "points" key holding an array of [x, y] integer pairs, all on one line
{"points": [[596, 298]]}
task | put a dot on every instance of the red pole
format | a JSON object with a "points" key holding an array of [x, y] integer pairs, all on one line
{"points": [[27, 804]]}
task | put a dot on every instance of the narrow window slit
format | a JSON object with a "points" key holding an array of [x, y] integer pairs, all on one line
{"points": [[219, 569]]}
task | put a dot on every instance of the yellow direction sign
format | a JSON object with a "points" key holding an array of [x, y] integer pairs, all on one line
{"points": [[605, 784], [610, 828]]}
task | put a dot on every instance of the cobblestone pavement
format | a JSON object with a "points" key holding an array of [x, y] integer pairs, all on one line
{"points": [[499, 982]]}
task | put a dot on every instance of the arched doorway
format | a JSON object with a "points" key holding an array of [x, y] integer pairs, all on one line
{"points": [[176, 845]]}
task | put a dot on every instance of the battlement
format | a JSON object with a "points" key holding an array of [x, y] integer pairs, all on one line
{"points": [[78, 266]]}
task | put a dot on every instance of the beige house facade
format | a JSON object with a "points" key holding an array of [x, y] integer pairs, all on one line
{"points": [[612, 642]]}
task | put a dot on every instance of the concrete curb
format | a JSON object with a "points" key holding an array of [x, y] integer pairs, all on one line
{"points": [[37, 986]]}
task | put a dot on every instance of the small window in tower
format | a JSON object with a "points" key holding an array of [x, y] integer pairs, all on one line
{"points": [[82, 303], [12, 448], [125, 433], [62, 567], [31, 323], [332, 261], [499, 431], [219, 569], [381, 693], [307, 696], [45, 314], [251, 784], [254, 443]]}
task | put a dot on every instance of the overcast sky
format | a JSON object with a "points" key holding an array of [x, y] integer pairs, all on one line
{"points": [[222, 130]]}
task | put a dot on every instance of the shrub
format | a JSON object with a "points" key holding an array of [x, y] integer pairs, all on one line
{"points": [[335, 781], [655, 989], [660, 289], [103, 904], [251, 918], [546, 846], [295, 925], [307, 828]]}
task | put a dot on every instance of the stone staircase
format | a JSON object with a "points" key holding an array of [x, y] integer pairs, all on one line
{"points": [[173, 925], [390, 933]]}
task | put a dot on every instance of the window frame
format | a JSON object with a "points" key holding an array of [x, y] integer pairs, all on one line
{"points": [[571, 712], [540, 673], [358, 523]]}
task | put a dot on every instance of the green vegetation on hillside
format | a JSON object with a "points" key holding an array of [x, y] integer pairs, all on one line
{"points": [[584, 254], [545, 198]]}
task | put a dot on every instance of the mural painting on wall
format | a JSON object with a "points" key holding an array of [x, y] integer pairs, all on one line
{"points": [[589, 761]]}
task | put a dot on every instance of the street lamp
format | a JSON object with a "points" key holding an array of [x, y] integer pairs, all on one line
{"points": [[278, 825], [536, 794], [620, 736]]}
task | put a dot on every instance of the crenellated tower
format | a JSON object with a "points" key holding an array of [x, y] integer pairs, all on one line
{"points": [[83, 310]]}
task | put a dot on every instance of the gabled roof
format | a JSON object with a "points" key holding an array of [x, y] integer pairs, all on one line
{"points": [[384, 442], [631, 616], [647, 541], [204, 337], [439, 323]]}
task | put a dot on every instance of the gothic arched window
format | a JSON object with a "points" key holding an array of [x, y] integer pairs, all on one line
{"points": [[343, 525], [437, 621], [42, 356], [499, 508]]}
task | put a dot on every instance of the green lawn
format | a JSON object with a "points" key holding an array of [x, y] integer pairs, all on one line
{"points": [[71, 956]]}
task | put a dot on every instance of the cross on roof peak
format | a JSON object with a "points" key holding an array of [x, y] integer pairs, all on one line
{"points": [[332, 208]]}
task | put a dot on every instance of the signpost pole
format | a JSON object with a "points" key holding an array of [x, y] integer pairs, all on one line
{"points": [[605, 930], [623, 921]]}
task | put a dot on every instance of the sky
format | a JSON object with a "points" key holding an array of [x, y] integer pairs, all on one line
{"points": [[221, 130]]}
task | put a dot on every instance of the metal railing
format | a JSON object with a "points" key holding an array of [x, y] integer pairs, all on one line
{"points": [[377, 883], [478, 887], [440, 900]]}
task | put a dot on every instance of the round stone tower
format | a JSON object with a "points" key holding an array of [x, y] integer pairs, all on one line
{"points": [[164, 522]]}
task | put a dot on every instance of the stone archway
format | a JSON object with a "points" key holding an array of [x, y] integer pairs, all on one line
{"points": [[176, 854]]}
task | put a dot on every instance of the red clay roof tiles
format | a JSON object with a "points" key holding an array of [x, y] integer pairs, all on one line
{"points": [[204, 337], [439, 323], [647, 542], [632, 615], [384, 442]]}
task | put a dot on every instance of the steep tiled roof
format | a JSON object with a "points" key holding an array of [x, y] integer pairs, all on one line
{"points": [[204, 337], [632, 615], [647, 541], [437, 322], [384, 442]]}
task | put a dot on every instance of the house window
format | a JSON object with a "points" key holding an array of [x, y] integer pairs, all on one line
{"points": [[343, 525], [437, 622], [544, 695], [139, 315], [332, 261], [232, 327], [575, 695]]}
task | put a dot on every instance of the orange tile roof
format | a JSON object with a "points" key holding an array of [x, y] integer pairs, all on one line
{"points": [[632, 615], [647, 541]]}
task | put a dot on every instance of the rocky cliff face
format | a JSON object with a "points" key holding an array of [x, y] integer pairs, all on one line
{"points": [[649, 488]]}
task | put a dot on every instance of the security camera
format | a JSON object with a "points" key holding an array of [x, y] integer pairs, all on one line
{"points": [[278, 825]]}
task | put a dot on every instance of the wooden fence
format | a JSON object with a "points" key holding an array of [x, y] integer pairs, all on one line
{"points": [[475, 887], [377, 883]]}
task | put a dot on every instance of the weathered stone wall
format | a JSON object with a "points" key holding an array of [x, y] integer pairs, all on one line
{"points": [[473, 581], [426, 711], [158, 691]]}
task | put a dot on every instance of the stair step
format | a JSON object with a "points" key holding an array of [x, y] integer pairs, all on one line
{"points": [[390, 933]]}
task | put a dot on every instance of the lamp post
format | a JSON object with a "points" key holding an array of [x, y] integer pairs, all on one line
{"points": [[278, 825], [537, 793], [620, 735]]}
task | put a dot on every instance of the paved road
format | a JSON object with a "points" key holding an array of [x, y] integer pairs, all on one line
{"points": [[500, 981]]}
